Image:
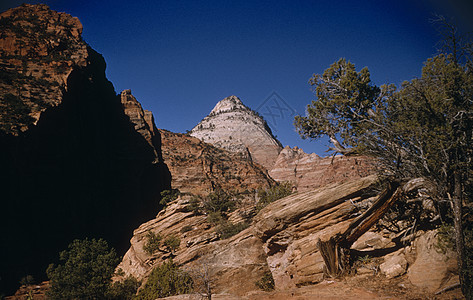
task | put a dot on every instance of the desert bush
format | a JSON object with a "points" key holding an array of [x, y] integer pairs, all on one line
{"points": [[273, 193], [125, 289], [167, 196], [219, 201], [172, 243], [164, 281], [153, 241], [227, 229], [216, 218], [85, 271], [194, 205], [445, 238], [27, 280], [266, 283]]}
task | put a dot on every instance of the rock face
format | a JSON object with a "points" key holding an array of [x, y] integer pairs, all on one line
{"points": [[291, 227], [234, 264], [39, 48], [434, 267], [143, 121], [281, 239], [200, 168], [73, 163], [234, 127], [310, 171]]}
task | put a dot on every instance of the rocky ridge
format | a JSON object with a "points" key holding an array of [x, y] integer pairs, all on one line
{"points": [[39, 48], [310, 171], [282, 239], [200, 168], [143, 122], [233, 126]]}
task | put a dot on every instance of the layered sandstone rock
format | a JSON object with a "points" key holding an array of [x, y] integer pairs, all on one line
{"points": [[291, 227], [434, 267], [200, 168], [310, 171], [283, 239], [39, 48], [142, 120], [234, 264], [233, 126]]}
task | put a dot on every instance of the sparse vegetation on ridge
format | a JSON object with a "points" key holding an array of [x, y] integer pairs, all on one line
{"points": [[153, 241], [164, 281], [276, 192], [167, 196]]}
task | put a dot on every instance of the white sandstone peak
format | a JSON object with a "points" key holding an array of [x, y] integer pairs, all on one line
{"points": [[233, 126], [228, 104]]}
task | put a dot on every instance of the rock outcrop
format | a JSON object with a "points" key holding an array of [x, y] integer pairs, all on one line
{"points": [[310, 171], [291, 227], [233, 126], [73, 163], [200, 168], [234, 264], [143, 121], [39, 48], [283, 239]]}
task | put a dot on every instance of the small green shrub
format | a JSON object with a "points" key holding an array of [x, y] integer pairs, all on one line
{"points": [[194, 205], [219, 201], [228, 229], [445, 238], [186, 228], [167, 196], [266, 283], [164, 281], [172, 243], [153, 241], [216, 218], [363, 260], [273, 193], [125, 289], [27, 280]]}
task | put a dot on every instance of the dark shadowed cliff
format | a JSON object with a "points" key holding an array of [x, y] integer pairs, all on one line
{"points": [[72, 163]]}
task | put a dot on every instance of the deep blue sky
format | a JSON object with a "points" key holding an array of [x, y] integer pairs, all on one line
{"points": [[180, 58]]}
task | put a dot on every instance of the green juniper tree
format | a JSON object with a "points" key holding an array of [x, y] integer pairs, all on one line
{"points": [[85, 271], [423, 129]]}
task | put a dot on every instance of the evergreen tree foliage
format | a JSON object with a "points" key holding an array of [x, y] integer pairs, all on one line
{"points": [[84, 272], [278, 191], [421, 129], [164, 281], [15, 114]]}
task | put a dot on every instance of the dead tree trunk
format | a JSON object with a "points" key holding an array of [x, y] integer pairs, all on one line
{"points": [[459, 240], [335, 251]]}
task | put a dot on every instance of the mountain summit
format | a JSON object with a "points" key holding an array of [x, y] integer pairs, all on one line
{"points": [[233, 126]]}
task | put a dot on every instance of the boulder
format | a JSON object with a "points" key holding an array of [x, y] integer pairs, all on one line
{"points": [[371, 241], [434, 266], [394, 264]]}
